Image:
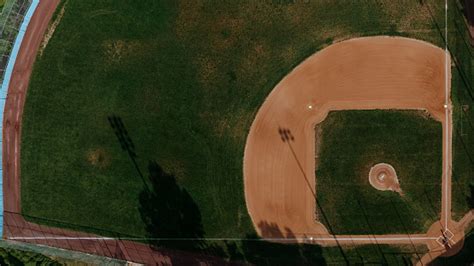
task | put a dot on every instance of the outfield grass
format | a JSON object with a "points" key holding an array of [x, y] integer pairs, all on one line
{"points": [[462, 85], [351, 142], [186, 79]]}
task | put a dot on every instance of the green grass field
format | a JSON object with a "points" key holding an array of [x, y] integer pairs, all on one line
{"points": [[462, 84], [351, 142], [182, 81]]}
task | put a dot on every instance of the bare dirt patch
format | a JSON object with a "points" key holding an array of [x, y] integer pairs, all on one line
{"points": [[51, 29], [98, 158], [116, 50]]}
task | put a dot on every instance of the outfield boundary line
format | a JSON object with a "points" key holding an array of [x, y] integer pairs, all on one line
{"points": [[446, 185], [372, 238]]}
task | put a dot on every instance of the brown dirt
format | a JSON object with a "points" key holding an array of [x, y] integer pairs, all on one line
{"points": [[456, 238], [364, 73], [98, 158], [383, 177], [51, 29]]}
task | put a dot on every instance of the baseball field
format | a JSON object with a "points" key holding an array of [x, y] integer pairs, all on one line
{"points": [[138, 112]]}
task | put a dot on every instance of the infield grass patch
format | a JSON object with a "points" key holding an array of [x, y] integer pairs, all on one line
{"points": [[354, 141]]}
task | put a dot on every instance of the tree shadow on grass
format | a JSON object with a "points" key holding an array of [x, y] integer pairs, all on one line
{"points": [[262, 252], [173, 220], [464, 257], [171, 216], [468, 10], [470, 197]]}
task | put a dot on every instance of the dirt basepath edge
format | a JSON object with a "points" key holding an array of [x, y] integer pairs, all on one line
{"points": [[366, 73]]}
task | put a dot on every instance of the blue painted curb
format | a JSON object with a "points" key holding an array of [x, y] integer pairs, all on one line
{"points": [[6, 83]]}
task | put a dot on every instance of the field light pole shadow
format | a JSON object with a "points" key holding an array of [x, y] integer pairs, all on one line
{"points": [[372, 232], [394, 207], [287, 137], [126, 143], [457, 65]]}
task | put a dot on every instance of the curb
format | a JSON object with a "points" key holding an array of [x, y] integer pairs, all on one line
{"points": [[6, 82]]}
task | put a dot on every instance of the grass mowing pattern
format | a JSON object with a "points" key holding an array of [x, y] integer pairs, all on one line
{"points": [[351, 143], [186, 78]]}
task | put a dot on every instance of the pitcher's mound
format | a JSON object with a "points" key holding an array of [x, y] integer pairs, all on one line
{"points": [[382, 176]]}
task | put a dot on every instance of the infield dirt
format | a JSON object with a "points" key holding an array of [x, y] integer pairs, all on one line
{"points": [[363, 73]]}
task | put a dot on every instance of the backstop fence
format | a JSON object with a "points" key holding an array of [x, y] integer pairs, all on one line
{"points": [[11, 18]]}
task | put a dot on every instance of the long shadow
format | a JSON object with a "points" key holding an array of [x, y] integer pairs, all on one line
{"points": [[470, 197], [463, 36], [461, 71], [126, 143], [402, 222], [466, 149], [468, 119], [385, 262], [171, 216], [464, 257], [434, 212], [260, 252], [468, 10], [287, 137], [173, 220]]}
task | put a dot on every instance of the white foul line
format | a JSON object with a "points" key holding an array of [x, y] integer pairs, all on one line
{"points": [[231, 239], [446, 111]]}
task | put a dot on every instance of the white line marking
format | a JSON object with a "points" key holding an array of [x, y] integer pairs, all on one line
{"points": [[446, 196], [18, 107], [230, 239]]}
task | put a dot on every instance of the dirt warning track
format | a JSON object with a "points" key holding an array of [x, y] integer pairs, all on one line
{"points": [[364, 73], [15, 101]]}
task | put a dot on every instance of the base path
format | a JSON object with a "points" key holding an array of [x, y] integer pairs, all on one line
{"points": [[15, 226], [363, 73]]}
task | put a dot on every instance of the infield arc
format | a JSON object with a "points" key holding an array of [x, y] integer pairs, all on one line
{"points": [[363, 73]]}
